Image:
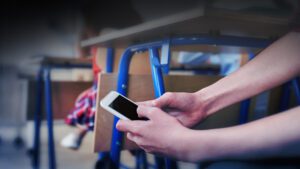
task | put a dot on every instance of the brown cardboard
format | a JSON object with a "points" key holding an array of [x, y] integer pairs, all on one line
{"points": [[64, 95], [140, 88]]}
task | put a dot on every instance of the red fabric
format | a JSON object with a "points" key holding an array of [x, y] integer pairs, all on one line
{"points": [[96, 68], [84, 109]]}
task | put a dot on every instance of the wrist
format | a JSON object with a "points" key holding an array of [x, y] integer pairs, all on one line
{"points": [[211, 144], [206, 100], [216, 96], [185, 149], [198, 146]]}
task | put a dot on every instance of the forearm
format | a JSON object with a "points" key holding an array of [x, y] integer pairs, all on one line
{"points": [[274, 136], [272, 67]]}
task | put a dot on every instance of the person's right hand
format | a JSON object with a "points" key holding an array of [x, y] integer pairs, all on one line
{"points": [[186, 107]]}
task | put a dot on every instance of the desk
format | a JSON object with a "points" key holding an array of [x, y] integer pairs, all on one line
{"points": [[194, 22], [43, 80], [194, 27]]}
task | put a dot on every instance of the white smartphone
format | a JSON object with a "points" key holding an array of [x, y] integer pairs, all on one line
{"points": [[120, 106]]}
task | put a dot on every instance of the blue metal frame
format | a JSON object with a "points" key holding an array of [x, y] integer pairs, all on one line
{"points": [[123, 83], [44, 77], [48, 99], [159, 89], [116, 142], [286, 93], [141, 160], [165, 56], [285, 97], [37, 120], [244, 111], [109, 60], [296, 87], [158, 81], [157, 75]]}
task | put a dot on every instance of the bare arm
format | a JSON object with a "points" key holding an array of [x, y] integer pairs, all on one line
{"points": [[272, 67], [274, 136], [277, 135]]}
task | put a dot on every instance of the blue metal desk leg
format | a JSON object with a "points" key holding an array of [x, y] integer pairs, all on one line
{"points": [[137, 160], [244, 111], [295, 83], [116, 143], [48, 99], [109, 60], [141, 160], [37, 120], [285, 97], [144, 161], [159, 89]]}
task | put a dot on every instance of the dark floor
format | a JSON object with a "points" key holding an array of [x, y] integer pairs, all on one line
{"points": [[12, 157]]}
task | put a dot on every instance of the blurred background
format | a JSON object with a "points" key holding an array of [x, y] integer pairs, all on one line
{"points": [[31, 31]]}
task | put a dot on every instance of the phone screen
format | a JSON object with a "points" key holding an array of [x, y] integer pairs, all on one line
{"points": [[125, 107]]}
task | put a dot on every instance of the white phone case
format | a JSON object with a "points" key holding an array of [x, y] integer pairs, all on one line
{"points": [[108, 99]]}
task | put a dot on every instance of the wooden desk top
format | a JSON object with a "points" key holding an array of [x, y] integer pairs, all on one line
{"points": [[196, 21]]}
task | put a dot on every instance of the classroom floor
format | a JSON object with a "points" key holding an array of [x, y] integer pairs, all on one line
{"points": [[16, 158]]}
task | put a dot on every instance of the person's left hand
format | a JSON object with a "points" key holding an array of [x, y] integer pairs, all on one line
{"points": [[161, 134]]}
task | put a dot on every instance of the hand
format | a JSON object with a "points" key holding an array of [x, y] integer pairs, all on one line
{"points": [[188, 108], [161, 134]]}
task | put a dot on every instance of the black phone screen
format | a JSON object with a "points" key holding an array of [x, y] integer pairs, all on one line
{"points": [[125, 107]]}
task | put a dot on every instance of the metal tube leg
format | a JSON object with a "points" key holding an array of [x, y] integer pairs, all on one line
{"points": [[48, 99], [109, 60], [296, 89], [37, 120], [285, 97], [159, 89], [159, 162], [116, 143], [244, 111], [141, 160], [144, 160], [137, 160], [116, 146]]}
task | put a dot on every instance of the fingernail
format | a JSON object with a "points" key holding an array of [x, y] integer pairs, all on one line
{"points": [[118, 124]]}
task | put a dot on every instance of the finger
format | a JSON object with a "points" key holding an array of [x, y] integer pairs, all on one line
{"points": [[130, 126], [186, 121], [147, 111], [174, 113], [165, 100], [151, 113], [132, 137], [146, 103]]}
